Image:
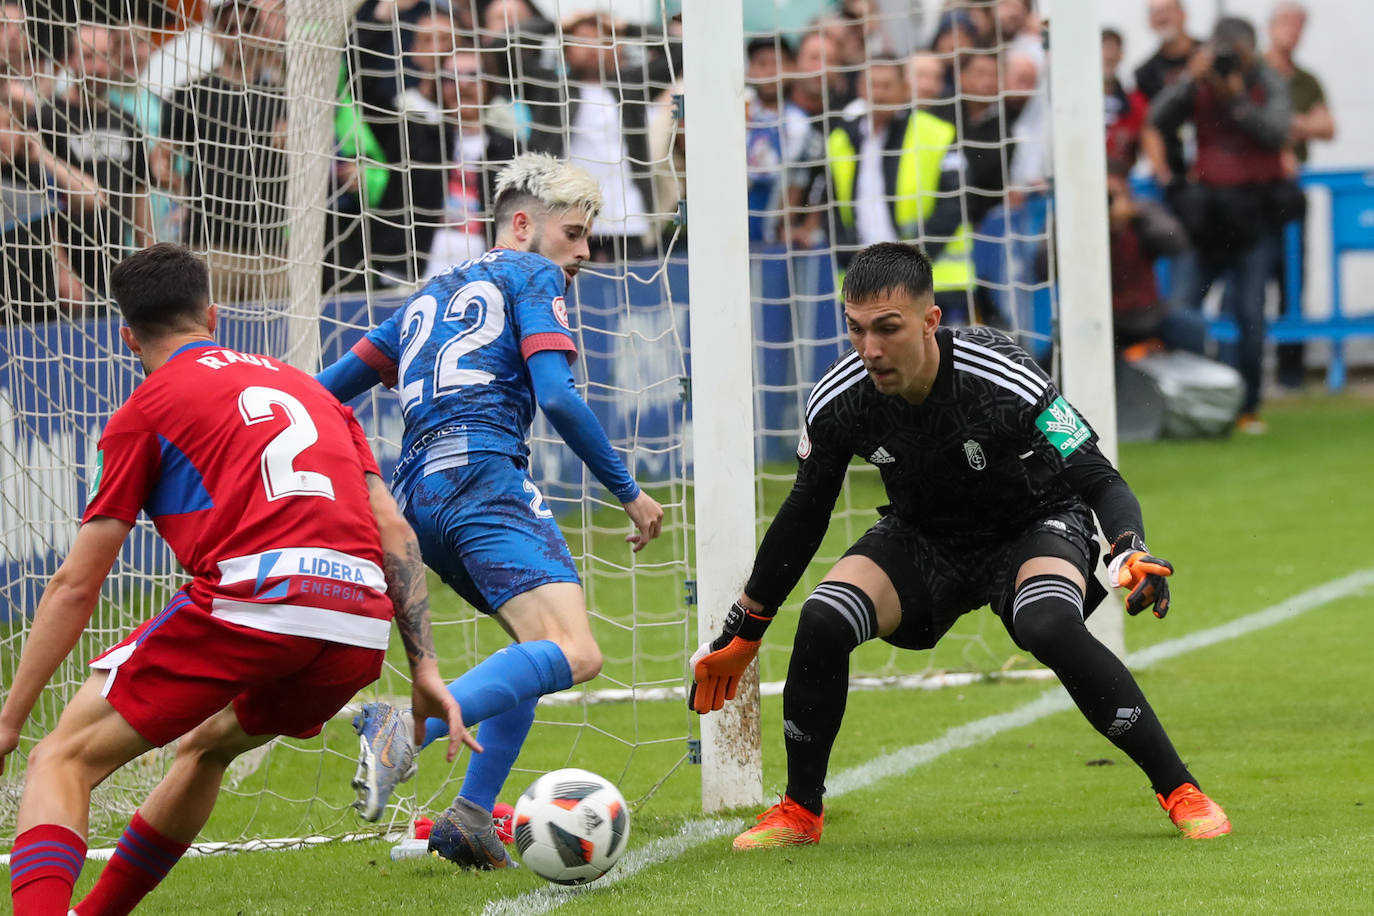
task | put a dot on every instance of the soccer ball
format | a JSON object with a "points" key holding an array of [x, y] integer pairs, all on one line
{"points": [[571, 826]]}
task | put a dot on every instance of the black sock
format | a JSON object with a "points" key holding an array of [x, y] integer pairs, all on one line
{"points": [[834, 620], [1047, 618]]}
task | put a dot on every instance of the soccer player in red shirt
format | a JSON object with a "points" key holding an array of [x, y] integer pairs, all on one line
{"points": [[264, 487]]}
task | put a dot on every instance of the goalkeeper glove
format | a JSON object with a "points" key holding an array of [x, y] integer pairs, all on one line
{"points": [[717, 665], [1131, 567]]}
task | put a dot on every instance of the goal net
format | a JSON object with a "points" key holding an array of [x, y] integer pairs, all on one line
{"points": [[329, 156], [885, 122]]}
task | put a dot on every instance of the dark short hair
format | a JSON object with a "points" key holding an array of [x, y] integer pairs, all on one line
{"points": [[951, 20], [891, 63], [776, 43], [162, 289], [966, 56], [1110, 34], [887, 267], [1233, 30]]}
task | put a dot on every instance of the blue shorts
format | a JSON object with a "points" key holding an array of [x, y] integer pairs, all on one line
{"points": [[484, 528]]}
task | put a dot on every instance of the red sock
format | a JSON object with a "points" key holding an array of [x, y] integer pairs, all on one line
{"points": [[142, 859], [44, 865]]}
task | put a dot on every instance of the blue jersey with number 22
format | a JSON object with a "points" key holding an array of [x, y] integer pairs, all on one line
{"points": [[458, 348]]}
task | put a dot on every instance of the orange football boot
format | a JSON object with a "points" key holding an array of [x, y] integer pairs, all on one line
{"points": [[785, 824], [1195, 815]]}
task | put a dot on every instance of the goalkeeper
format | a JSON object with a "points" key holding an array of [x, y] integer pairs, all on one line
{"points": [[993, 480]]}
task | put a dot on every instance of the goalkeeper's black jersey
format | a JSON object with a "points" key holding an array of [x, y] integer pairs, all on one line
{"points": [[993, 448]]}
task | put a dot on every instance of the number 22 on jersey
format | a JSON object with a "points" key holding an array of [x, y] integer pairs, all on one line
{"points": [[481, 310]]}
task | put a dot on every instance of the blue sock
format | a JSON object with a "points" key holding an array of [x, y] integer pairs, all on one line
{"points": [[502, 736], [517, 673]]}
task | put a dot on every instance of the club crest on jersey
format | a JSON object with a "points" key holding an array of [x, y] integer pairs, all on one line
{"points": [[974, 453], [803, 445], [560, 311], [1063, 427]]}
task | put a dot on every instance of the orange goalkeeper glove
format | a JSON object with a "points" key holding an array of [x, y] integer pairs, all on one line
{"points": [[1131, 567], [717, 665]]}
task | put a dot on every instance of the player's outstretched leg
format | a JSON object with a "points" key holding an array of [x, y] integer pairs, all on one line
{"points": [[503, 736], [835, 619], [515, 675], [1047, 617], [462, 834], [386, 755]]}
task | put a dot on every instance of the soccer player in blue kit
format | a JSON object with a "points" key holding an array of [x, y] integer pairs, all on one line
{"points": [[470, 354]]}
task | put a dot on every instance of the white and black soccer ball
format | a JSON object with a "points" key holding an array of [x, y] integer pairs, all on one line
{"points": [[571, 826]]}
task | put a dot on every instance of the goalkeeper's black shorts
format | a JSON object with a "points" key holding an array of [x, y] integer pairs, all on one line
{"points": [[940, 581]]}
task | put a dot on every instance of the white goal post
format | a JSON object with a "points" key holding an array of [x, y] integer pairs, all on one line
{"points": [[722, 421], [1088, 376]]}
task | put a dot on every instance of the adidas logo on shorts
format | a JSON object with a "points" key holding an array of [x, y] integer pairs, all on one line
{"points": [[881, 456]]}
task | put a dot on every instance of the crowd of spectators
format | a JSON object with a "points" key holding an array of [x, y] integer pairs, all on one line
{"points": [[120, 136], [1223, 129], [109, 139]]}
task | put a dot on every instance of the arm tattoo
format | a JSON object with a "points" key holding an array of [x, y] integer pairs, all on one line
{"points": [[405, 586]]}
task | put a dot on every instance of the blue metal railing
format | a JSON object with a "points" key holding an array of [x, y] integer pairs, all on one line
{"points": [[1351, 229]]}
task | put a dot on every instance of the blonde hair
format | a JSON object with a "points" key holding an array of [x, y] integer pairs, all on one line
{"points": [[555, 184]]}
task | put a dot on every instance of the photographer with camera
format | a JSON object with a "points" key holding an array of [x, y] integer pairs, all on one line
{"points": [[1240, 197]]}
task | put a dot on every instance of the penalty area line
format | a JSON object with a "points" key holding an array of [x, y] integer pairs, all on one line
{"points": [[898, 762]]}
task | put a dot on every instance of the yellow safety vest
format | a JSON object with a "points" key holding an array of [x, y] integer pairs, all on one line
{"points": [[924, 146]]}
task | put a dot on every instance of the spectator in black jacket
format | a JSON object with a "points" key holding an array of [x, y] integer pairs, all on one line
{"points": [[38, 282], [1164, 148], [81, 128], [227, 129], [598, 119], [387, 234], [982, 115]]}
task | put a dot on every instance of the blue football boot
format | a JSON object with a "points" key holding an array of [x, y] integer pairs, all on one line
{"points": [[386, 756], [466, 835]]}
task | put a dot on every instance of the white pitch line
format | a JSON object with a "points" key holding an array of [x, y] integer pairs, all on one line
{"points": [[693, 833], [1057, 700], [576, 696], [901, 761]]}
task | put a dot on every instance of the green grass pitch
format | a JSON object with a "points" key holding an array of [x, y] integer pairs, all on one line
{"points": [[1046, 818]]}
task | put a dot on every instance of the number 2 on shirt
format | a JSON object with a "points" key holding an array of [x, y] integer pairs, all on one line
{"points": [[279, 477], [479, 304]]}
